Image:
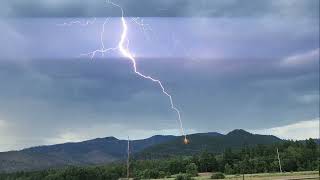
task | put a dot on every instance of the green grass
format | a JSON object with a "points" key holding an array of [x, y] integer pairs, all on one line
{"points": [[260, 176]]}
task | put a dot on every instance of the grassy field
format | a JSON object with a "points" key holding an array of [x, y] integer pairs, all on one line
{"points": [[267, 176]]}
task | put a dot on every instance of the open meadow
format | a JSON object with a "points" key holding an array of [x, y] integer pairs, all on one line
{"points": [[266, 176]]}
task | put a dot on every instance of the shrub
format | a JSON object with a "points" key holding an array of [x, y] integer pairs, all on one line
{"points": [[162, 174], [183, 177], [228, 169], [149, 174], [217, 175], [192, 169]]}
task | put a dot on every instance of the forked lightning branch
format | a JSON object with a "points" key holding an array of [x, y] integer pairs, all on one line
{"points": [[123, 48]]}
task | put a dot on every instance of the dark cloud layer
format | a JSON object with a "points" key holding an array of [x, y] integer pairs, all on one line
{"points": [[156, 8], [251, 65], [75, 91]]}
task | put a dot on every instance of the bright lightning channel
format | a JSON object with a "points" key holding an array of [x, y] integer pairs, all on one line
{"points": [[86, 23], [124, 50]]}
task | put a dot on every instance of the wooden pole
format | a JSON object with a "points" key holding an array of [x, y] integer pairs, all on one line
{"points": [[128, 159], [279, 161]]}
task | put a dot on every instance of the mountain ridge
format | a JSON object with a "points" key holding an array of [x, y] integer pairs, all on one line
{"points": [[234, 139], [110, 149]]}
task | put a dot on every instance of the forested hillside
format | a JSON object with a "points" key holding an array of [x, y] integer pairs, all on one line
{"points": [[110, 149], [294, 155], [216, 144]]}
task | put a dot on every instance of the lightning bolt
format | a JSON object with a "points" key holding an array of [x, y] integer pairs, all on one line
{"points": [[145, 27], [122, 47], [86, 23]]}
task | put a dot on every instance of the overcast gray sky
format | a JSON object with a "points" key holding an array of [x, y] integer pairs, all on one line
{"points": [[228, 64]]}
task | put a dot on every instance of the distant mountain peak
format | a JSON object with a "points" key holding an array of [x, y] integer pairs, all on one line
{"points": [[155, 136], [239, 132], [111, 138]]}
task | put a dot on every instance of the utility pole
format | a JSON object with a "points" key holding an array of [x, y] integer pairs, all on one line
{"points": [[279, 161], [128, 160]]}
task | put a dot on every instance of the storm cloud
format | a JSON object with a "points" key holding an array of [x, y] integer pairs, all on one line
{"points": [[228, 64], [155, 8]]}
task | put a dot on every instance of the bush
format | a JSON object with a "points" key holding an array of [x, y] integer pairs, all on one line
{"points": [[149, 174], [162, 174], [183, 177], [192, 169], [217, 175], [228, 169]]}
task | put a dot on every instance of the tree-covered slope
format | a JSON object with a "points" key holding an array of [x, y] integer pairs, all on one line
{"points": [[199, 142], [91, 152], [110, 149]]}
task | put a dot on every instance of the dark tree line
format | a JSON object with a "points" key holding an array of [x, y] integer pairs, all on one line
{"points": [[294, 155]]}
